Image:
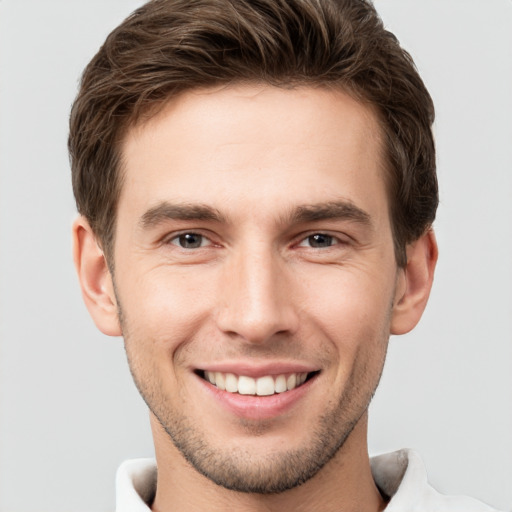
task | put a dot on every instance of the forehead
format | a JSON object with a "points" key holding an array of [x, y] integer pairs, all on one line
{"points": [[255, 145]]}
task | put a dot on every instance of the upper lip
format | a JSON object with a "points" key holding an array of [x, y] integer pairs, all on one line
{"points": [[258, 370]]}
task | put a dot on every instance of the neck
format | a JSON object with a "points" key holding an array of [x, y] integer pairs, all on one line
{"points": [[345, 483]]}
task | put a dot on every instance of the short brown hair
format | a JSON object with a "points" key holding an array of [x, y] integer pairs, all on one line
{"points": [[168, 46]]}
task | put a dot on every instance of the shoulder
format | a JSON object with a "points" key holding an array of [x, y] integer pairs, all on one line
{"points": [[402, 477]]}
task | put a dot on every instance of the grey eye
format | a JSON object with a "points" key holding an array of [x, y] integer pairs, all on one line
{"points": [[189, 240], [319, 240]]}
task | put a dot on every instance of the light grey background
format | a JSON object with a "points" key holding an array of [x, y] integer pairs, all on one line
{"points": [[69, 412]]}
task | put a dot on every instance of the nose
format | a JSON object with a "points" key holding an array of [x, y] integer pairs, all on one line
{"points": [[257, 301]]}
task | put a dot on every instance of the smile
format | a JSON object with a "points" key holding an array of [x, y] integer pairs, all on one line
{"points": [[262, 386]]}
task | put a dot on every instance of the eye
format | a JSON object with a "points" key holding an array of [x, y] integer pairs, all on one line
{"points": [[190, 241], [319, 241]]}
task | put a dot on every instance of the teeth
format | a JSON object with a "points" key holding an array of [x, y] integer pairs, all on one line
{"points": [[264, 386], [220, 381], [246, 385], [280, 385], [231, 383], [291, 381]]}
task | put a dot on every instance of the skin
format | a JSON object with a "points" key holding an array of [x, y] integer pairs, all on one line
{"points": [[255, 173]]}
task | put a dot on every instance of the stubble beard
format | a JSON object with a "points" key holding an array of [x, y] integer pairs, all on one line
{"points": [[241, 469]]}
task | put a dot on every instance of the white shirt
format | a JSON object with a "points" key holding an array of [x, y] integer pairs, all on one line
{"points": [[400, 475]]}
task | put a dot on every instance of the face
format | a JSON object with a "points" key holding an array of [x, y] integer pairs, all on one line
{"points": [[255, 277]]}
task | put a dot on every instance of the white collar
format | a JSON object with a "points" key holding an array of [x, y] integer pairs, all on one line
{"points": [[400, 475]]}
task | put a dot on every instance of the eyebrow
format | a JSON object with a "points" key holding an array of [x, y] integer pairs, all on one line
{"points": [[340, 210], [333, 210], [168, 211]]}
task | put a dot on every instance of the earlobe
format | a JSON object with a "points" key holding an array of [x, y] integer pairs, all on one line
{"points": [[415, 283], [95, 279]]}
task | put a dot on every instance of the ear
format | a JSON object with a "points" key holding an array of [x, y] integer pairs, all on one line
{"points": [[414, 284], [95, 279]]}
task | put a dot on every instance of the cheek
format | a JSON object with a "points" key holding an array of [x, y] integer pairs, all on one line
{"points": [[351, 310], [164, 305], [356, 327], [359, 294]]}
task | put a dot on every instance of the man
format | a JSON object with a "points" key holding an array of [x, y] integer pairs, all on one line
{"points": [[256, 187]]}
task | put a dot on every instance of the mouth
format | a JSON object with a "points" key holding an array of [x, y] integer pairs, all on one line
{"points": [[266, 385]]}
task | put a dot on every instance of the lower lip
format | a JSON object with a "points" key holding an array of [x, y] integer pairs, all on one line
{"points": [[252, 407]]}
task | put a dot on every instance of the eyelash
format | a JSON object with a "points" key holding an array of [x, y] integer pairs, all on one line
{"points": [[176, 239], [331, 240]]}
